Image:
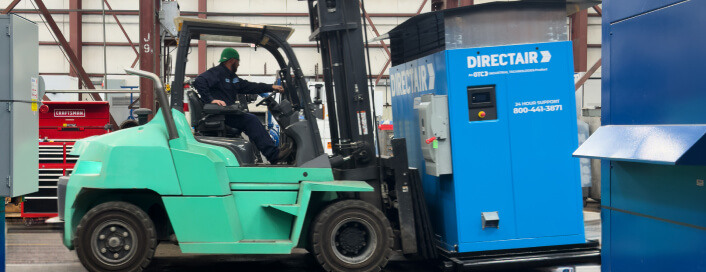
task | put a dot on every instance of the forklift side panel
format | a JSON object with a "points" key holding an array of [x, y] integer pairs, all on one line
{"points": [[271, 224], [201, 173], [204, 219]]}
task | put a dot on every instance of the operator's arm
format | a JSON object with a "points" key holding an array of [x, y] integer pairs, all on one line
{"points": [[246, 87], [203, 84]]}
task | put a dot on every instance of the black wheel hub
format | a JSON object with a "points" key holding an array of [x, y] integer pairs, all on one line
{"points": [[114, 242], [351, 239]]}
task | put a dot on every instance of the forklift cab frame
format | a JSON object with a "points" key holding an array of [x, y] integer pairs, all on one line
{"points": [[274, 39]]}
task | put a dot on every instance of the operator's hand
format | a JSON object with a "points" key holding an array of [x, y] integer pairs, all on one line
{"points": [[219, 102], [278, 88]]}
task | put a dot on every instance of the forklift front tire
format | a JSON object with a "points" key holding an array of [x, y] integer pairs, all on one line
{"points": [[115, 236], [352, 235]]}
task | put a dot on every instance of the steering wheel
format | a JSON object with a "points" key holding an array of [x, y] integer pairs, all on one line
{"points": [[267, 100]]}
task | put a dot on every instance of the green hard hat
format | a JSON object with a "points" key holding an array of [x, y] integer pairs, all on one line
{"points": [[229, 53]]}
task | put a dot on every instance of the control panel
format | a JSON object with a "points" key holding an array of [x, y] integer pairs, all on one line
{"points": [[481, 103], [434, 132]]}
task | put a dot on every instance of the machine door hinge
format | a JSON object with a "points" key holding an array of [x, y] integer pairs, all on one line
{"points": [[9, 182], [7, 30], [9, 106]]}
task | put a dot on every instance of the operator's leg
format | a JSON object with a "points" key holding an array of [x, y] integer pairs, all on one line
{"points": [[252, 127]]}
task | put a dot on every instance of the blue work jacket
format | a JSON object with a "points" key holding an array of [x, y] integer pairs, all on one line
{"points": [[220, 83]]}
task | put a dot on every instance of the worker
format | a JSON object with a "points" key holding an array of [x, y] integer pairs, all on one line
{"points": [[220, 85]]}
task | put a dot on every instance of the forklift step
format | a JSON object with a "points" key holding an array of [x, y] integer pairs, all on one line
{"points": [[240, 247], [292, 209], [238, 186], [266, 241]]}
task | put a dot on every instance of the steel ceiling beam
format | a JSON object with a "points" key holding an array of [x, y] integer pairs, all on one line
{"points": [[209, 14], [76, 35], [382, 72], [149, 50], [134, 48], [73, 60], [456, 3], [10, 6], [579, 37], [588, 74], [225, 44], [598, 10], [203, 8], [375, 29], [596, 65], [387, 50], [186, 75]]}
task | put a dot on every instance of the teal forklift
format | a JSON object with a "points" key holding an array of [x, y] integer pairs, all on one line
{"points": [[208, 193]]}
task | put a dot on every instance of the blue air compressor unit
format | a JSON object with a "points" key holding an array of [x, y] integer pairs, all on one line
{"points": [[484, 96]]}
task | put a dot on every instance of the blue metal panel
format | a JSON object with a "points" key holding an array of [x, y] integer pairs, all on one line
{"points": [[500, 165], [408, 82], [659, 69], [644, 244], [671, 193], [619, 10], [606, 245], [651, 144], [652, 75]]}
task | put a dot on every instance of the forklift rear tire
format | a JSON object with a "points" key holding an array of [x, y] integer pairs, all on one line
{"points": [[352, 235], [115, 236]]}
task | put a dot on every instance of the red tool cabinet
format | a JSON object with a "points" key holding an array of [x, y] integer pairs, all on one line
{"points": [[60, 125]]}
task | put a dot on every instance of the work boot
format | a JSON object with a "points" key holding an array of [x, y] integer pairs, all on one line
{"points": [[284, 152]]}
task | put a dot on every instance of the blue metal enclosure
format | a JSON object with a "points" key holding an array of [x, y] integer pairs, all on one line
{"points": [[20, 95], [511, 125], [652, 140]]}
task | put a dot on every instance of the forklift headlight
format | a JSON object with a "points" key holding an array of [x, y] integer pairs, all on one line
{"points": [[88, 168]]}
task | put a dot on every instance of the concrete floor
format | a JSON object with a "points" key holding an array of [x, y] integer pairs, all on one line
{"points": [[39, 248]]}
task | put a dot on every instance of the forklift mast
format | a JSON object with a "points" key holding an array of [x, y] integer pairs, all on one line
{"points": [[336, 26]]}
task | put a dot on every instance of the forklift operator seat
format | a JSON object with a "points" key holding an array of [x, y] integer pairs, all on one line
{"points": [[210, 128], [208, 123], [243, 150]]}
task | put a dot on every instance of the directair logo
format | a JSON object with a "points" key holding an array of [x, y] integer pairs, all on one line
{"points": [[496, 60], [416, 79]]}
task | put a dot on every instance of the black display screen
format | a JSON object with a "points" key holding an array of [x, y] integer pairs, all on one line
{"points": [[480, 97], [481, 103]]}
